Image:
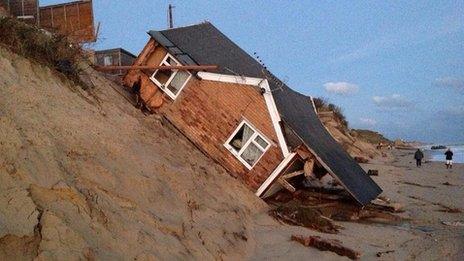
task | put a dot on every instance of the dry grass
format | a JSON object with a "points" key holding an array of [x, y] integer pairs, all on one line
{"points": [[50, 50], [370, 136], [323, 105]]}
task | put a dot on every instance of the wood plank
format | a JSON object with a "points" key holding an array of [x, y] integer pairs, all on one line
{"points": [[327, 245], [286, 185], [147, 50], [147, 67], [309, 167], [293, 174]]}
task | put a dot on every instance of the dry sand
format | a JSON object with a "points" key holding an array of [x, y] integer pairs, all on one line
{"points": [[87, 176], [425, 237]]}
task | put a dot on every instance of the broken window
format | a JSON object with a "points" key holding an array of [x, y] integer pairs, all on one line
{"points": [[170, 81], [247, 144]]}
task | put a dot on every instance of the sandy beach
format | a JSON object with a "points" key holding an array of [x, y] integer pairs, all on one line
{"points": [[424, 194], [425, 236]]}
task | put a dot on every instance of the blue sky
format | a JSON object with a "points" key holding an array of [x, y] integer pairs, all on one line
{"points": [[396, 67]]}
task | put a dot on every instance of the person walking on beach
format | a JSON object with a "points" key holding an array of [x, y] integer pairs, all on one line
{"points": [[418, 156], [449, 158]]}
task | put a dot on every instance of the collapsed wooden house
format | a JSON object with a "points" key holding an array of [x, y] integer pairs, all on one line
{"points": [[72, 19], [242, 116]]}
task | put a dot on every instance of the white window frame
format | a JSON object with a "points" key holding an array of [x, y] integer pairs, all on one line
{"points": [[108, 60], [164, 86], [251, 140]]}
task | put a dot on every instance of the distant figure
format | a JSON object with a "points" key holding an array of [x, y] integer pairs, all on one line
{"points": [[449, 158], [418, 156]]}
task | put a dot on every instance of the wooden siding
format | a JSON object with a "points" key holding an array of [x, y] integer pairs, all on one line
{"points": [[208, 112], [74, 19], [18, 8], [118, 57]]}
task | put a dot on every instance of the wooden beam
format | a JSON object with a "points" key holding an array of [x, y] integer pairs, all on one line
{"points": [[286, 185], [147, 50], [293, 174], [309, 167], [303, 152], [147, 67]]}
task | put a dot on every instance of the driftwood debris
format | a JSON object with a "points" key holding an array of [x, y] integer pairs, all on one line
{"points": [[444, 208], [417, 184], [305, 217], [453, 223], [311, 206], [360, 159], [387, 206], [327, 245], [381, 253]]}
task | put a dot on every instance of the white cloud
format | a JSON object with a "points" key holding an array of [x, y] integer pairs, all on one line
{"points": [[368, 121], [391, 102], [341, 88], [449, 82]]}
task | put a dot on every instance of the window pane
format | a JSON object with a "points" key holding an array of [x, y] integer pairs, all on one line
{"points": [[178, 81], [108, 60], [251, 154], [170, 62], [261, 142], [242, 136], [162, 76]]}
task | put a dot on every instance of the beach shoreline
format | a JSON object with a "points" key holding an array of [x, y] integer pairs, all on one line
{"points": [[425, 193], [428, 232]]}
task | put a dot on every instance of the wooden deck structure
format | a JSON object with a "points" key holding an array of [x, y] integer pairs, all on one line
{"points": [[109, 61], [73, 19], [26, 10]]}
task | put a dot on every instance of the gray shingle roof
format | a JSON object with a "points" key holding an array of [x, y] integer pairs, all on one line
{"points": [[205, 44]]}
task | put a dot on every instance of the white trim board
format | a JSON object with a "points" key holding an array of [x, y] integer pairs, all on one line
{"points": [[217, 77], [275, 174], [268, 97], [164, 87], [275, 117]]}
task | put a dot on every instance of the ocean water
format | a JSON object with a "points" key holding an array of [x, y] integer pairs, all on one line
{"points": [[438, 155]]}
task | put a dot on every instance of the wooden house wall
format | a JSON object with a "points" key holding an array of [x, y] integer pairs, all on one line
{"points": [[208, 112], [127, 59], [119, 57], [23, 8], [74, 19]]}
